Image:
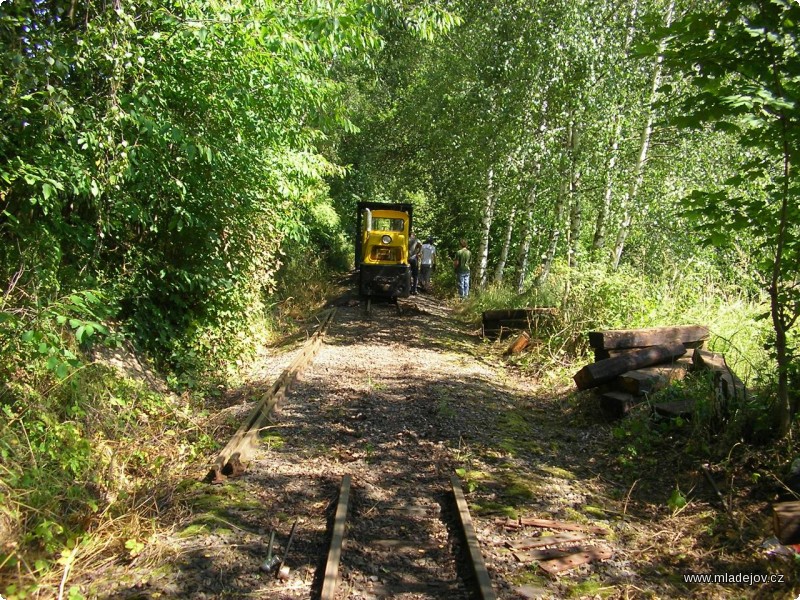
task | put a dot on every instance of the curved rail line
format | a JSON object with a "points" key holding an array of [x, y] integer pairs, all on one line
{"points": [[239, 448], [482, 583]]}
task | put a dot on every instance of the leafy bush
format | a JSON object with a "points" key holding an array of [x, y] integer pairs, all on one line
{"points": [[79, 454]]}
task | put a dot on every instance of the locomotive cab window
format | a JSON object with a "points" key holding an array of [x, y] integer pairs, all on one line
{"points": [[387, 224]]}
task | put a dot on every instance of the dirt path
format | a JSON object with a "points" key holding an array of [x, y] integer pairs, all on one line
{"points": [[400, 402]]}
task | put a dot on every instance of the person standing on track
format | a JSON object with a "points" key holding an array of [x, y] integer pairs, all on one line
{"points": [[461, 265], [427, 264], [414, 251]]}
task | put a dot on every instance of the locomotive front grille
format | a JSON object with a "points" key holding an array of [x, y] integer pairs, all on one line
{"points": [[385, 253]]}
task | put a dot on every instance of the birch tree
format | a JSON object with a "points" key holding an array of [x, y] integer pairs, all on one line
{"points": [[501, 261], [526, 236], [576, 214], [598, 241], [487, 218], [630, 198]]}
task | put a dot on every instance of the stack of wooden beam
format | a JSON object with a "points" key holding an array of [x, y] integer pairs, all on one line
{"points": [[632, 363]]}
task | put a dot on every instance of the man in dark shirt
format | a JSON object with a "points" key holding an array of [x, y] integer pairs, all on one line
{"points": [[414, 250]]}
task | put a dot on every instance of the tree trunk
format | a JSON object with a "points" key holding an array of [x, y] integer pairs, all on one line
{"points": [[605, 207], [644, 145], [528, 231], [602, 215], [555, 233], [563, 194], [787, 407], [486, 227], [576, 212], [525, 245], [501, 264]]}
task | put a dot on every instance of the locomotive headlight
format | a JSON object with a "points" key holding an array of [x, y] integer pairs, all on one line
{"points": [[387, 239]]}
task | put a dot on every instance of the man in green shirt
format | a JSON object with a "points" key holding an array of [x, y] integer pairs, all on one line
{"points": [[461, 264]]}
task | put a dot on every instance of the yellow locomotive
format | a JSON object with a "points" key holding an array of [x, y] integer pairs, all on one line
{"points": [[382, 249]]}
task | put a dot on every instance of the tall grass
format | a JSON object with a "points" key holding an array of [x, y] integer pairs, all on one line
{"points": [[87, 460], [593, 298]]}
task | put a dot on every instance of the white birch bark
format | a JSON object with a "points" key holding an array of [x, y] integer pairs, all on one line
{"points": [[555, 233], [561, 201], [525, 243], [576, 213], [501, 263], [602, 215], [638, 176], [486, 227], [605, 207]]}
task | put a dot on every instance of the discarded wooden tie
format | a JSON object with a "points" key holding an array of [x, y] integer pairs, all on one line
{"points": [[786, 522], [606, 370], [519, 344], [497, 322]]}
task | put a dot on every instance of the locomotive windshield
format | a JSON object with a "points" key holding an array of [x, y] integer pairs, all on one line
{"points": [[387, 224]]}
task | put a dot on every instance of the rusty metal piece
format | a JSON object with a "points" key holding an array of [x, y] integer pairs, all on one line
{"points": [[570, 561], [551, 524], [547, 540]]}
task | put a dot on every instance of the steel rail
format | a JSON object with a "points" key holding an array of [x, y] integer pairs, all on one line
{"points": [[337, 539], [476, 558], [240, 446]]}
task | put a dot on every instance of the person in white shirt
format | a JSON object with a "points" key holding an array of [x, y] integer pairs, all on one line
{"points": [[427, 264]]}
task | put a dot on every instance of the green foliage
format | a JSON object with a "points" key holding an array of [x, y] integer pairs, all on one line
{"points": [[166, 152], [743, 80], [469, 478], [47, 335], [80, 454], [676, 500]]}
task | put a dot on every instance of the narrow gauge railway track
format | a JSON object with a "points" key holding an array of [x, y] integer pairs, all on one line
{"points": [[363, 415], [410, 581]]}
